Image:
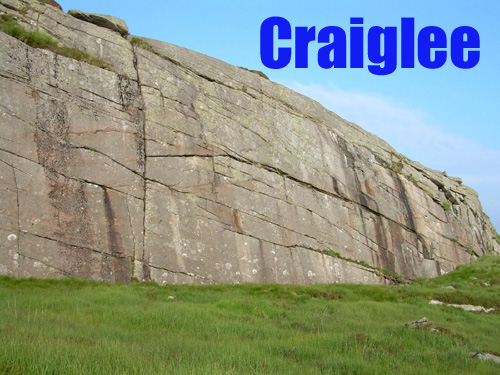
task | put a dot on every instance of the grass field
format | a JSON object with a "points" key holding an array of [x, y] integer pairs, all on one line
{"points": [[85, 327]]}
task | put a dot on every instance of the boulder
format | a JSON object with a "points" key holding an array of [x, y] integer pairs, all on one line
{"points": [[463, 307], [101, 20], [424, 322], [485, 356]]}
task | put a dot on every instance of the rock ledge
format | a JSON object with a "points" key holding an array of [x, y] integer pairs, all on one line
{"points": [[102, 20]]}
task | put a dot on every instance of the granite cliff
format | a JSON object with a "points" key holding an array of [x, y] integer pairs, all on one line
{"points": [[160, 163]]}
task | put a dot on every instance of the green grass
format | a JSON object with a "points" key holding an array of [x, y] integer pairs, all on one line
{"points": [[38, 39], [447, 206], [413, 180], [396, 167], [143, 44], [85, 327]]}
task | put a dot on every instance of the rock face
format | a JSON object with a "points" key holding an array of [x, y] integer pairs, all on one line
{"points": [[53, 3], [179, 168]]}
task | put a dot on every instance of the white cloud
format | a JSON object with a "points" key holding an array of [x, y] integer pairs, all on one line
{"points": [[412, 132]]}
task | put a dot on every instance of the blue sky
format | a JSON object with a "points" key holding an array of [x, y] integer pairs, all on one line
{"points": [[445, 118]]}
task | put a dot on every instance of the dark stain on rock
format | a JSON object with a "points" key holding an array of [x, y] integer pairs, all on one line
{"points": [[427, 251], [56, 70], [362, 219], [69, 199], [79, 261], [28, 65], [51, 136], [35, 95], [128, 90], [52, 154], [139, 137], [52, 117], [368, 188], [215, 184], [237, 223], [363, 199], [335, 185], [66, 195], [121, 264], [345, 150], [386, 256], [146, 271], [404, 198], [133, 103], [438, 268]]}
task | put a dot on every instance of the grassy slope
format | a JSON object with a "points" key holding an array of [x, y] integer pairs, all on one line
{"points": [[83, 327]]}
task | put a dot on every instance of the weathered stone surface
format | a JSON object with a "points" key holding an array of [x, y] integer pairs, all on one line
{"points": [[54, 4], [463, 307], [485, 356], [102, 20], [424, 322], [180, 168], [72, 32]]}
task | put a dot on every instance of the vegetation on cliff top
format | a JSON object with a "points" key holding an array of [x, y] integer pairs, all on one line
{"points": [[39, 39], [85, 327], [142, 43]]}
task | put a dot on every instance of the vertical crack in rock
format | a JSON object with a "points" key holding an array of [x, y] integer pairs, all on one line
{"points": [[142, 145], [15, 256], [216, 179], [386, 256], [29, 64], [18, 239], [121, 264], [134, 251]]}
